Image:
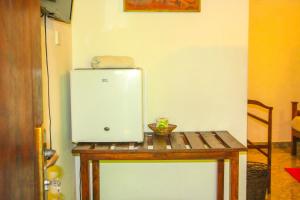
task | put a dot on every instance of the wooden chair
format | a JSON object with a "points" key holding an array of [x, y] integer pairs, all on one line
{"points": [[295, 134], [265, 149]]}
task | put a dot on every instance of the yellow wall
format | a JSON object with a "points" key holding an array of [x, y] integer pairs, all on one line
{"points": [[59, 65], [195, 67], [274, 61]]}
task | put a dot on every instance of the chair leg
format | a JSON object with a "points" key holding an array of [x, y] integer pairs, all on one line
{"points": [[269, 182], [294, 145]]}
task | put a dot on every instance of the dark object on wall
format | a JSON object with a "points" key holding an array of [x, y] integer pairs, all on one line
{"points": [[257, 180], [295, 134], [60, 10], [265, 149], [20, 100]]}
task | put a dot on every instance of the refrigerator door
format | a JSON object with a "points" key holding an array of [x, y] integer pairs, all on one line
{"points": [[106, 105]]}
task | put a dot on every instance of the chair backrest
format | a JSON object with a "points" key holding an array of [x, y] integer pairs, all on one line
{"points": [[268, 122], [295, 111]]}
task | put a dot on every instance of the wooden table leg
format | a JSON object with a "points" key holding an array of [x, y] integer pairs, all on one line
{"points": [[234, 176], [220, 180], [96, 181], [84, 176]]}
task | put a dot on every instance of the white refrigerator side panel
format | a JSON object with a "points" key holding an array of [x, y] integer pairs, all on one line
{"points": [[106, 105]]}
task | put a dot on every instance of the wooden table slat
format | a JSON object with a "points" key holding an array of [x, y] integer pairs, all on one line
{"points": [[131, 145], [159, 142], [212, 141], [229, 140], [112, 146], [81, 147], [102, 146], [139, 145], [122, 146], [177, 141], [146, 142], [150, 141], [194, 140], [142, 145]]}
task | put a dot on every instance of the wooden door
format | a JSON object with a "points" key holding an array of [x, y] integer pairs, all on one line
{"points": [[20, 99]]}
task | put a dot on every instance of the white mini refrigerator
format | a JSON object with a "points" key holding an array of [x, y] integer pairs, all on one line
{"points": [[106, 105]]}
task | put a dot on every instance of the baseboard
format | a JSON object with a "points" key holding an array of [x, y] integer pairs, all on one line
{"points": [[281, 144], [276, 144]]}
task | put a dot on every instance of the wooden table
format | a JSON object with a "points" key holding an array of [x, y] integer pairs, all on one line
{"points": [[218, 145]]}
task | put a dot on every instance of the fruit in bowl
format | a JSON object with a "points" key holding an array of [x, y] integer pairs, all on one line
{"points": [[162, 129], [162, 123]]}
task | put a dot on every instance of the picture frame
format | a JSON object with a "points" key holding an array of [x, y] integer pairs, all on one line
{"points": [[162, 5]]}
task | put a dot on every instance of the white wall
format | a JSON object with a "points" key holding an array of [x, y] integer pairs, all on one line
{"points": [[195, 67], [59, 57]]}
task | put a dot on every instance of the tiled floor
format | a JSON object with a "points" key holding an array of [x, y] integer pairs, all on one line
{"points": [[283, 186]]}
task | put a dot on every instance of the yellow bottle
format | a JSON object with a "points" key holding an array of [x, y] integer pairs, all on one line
{"points": [[54, 175]]}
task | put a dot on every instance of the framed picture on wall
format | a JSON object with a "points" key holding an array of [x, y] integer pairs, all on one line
{"points": [[162, 5]]}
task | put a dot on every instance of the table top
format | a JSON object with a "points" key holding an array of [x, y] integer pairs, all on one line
{"points": [[209, 141]]}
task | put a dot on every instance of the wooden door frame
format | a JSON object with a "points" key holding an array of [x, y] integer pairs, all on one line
{"points": [[20, 98]]}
